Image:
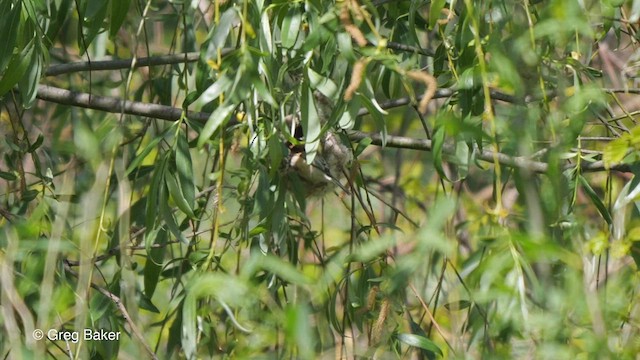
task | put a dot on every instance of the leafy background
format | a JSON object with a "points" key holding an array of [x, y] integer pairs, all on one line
{"points": [[491, 211]]}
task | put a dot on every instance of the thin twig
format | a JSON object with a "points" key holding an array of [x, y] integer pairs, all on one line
{"points": [[123, 310], [408, 48], [433, 320]]}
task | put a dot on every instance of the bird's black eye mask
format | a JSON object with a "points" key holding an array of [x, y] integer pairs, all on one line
{"points": [[298, 134]]}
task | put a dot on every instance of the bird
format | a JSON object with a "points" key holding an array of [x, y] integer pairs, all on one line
{"points": [[333, 158]]}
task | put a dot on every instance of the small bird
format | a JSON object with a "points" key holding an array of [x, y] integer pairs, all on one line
{"points": [[331, 161]]}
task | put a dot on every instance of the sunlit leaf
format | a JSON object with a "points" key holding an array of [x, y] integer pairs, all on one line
{"points": [[420, 342], [291, 27], [218, 118]]}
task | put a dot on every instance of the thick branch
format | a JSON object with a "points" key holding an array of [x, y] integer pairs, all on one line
{"points": [[114, 105], [60, 69]]}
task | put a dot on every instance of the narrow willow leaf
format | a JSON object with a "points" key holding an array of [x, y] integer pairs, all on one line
{"points": [[17, 67], [299, 330], [9, 23], [323, 84], [9, 176], [438, 144], [283, 269], [291, 27], [216, 89], [28, 85], [145, 152], [615, 151], [217, 119], [310, 122], [435, 10], [223, 288], [153, 265], [420, 342], [376, 114], [635, 11], [458, 305], [145, 303], [263, 91], [119, 9], [266, 39], [184, 167], [36, 144], [171, 223], [177, 194], [96, 12], [348, 118], [362, 145], [157, 196], [220, 32], [602, 208], [463, 157]]}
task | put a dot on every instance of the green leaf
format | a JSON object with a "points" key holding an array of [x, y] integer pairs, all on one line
{"points": [[9, 176], [310, 122], [458, 305], [376, 113], [276, 154], [170, 221], [283, 269], [635, 11], [263, 91], [323, 84], [435, 9], [218, 118], [463, 157], [216, 89], [184, 167], [291, 27], [438, 144], [362, 144], [602, 208], [119, 10], [36, 144], [146, 304], [153, 265], [17, 67], [30, 195], [223, 288], [145, 152], [28, 85], [92, 22], [299, 331], [9, 24], [220, 32], [157, 197], [177, 194], [615, 150], [420, 342]]}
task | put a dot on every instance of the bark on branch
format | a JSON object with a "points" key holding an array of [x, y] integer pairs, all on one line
{"points": [[61, 69], [163, 112]]}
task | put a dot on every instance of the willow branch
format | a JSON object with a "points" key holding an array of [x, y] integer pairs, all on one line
{"points": [[519, 162], [115, 105], [164, 112], [60, 69]]}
